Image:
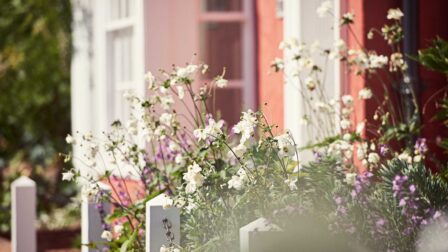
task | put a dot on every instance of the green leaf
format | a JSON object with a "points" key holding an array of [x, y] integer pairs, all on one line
{"points": [[124, 246]]}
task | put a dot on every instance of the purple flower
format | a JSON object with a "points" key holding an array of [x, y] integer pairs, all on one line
{"points": [[436, 215], [384, 150], [380, 223], [338, 200], [402, 202], [421, 146], [412, 188]]}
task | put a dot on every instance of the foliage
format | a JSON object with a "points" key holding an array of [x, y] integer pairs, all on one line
{"points": [[436, 59], [373, 209], [436, 56], [35, 54]]}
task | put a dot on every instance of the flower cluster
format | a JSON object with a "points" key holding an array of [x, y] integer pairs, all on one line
{"points": [[223, 175]]}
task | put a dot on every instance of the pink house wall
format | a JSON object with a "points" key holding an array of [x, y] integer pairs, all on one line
{"points": [[269, 33]]}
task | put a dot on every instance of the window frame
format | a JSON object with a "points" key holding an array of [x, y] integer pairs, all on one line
{"points": [[246, 18], [104, 27]]}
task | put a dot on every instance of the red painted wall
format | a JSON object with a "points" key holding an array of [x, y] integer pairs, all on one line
{"points": [[432, 22], [368, 14], [270, 84]]}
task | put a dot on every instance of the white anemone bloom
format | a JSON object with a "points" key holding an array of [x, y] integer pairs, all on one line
{"points": [[285, 145], [365, 94], [70, 140], [245, 127], [394, 14], [68, 176], [221, 82], [324, 9], [106, 235], [193, 177]]}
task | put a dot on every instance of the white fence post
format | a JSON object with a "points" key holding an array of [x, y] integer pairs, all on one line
{"points": [[23, 212], [91, 221], [248, 241], [161, 224]]}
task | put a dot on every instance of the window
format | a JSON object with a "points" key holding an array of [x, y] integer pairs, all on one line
{"points": [[118, 55], [226, 41]]}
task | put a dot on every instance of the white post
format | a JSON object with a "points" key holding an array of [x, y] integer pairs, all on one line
{"points": [[91, 221], [161, 224], [247, 241], [298, 14], [23, 212]]}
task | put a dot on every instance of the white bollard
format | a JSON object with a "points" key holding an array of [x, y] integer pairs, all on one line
{"points": [[162, 225], [23, 211], [248, 241], [91, 222]]}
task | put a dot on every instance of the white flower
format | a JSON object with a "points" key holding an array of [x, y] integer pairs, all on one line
{"points": [[360, 127], [89, 191], [324, 9], [405, 157], [180, 92], [132, 126], [193, 177], [179, 159], [304, 62], [347, 100], [107, 235], [350, 178], [373, 158], [167, 202], [166, 118], [70, 140], [128, 95], [245, 127], [168, 249], [365, 94], [322, 106], [68, 176], [288, 43], [348, 17], [347, 137], [310, 83], [360, 153], [285, 145], [394, 14], [204, 68], [397, 62], [166, 101], [118, 229], [339, 45], [277, 63], [292, 184], [199, 134], [235, 182], [183, 72], [345, 124], [304, 120], [417, 158], [149, 77], [212, 129], [239, 150], [221, 82], [377, 61]]}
